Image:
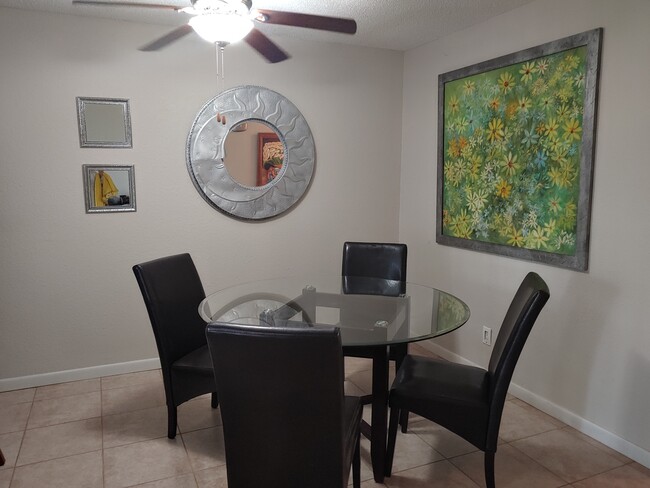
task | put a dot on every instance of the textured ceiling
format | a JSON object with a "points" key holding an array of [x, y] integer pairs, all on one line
{"points": [[389, 24]]}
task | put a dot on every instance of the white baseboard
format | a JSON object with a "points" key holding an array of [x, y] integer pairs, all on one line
{"points": [[608, 438], [77, 374]]}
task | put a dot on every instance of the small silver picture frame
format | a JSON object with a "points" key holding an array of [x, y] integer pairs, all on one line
{"points": [[104, 122], [109, 188]]}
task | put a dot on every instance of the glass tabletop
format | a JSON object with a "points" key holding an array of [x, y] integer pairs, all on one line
{"points": [[368, 311]]}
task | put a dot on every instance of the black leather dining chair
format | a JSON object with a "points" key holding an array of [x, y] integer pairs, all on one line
{"points": [[386, 261], [172, 291], [468, 400], [286, 421]]}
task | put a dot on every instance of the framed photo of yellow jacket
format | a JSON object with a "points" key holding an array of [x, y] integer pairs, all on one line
{"points": [[109, 188], [516, 138]]}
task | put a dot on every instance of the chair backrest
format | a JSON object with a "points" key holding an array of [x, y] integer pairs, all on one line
{"points": [[526, 305], [374, 260], [172, 291], [281, 398]]}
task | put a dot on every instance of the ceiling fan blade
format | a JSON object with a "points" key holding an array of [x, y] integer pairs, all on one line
{"points": [[265, 46], [100, 3], [168, 38], [334, 24]]}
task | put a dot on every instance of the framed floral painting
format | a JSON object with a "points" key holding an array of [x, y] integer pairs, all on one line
{"points": [[516, 140], [270, 157]]}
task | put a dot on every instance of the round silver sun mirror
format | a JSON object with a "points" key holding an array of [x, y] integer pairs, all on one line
{"points": [[250, 153]]}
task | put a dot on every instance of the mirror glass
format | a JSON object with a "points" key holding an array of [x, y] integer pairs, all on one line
{"points": [[109, 188], [104, 122], [254, 153]]}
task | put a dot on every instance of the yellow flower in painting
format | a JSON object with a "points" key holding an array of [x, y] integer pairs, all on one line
{"points": [[562, 111], [460, 224], [515, 238], [564, 93], [563, 175], [551, 128], [456, 146], [556, 177], [506, 82], [510, 165], [524, 104], [537, 238], [572, 61], [555, 146], [476, 167], [572, 130], [549, 227], [511, 109], [569, 171], [570, 211], [503, 189], [526, 71], [454, 105], [494, 103], [464, 232], [554, 205], [495, 130], [469, 87], [560, 156], [463, 218], [541, 128]]}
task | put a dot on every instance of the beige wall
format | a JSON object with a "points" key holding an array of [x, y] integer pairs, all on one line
{"points": [[68, 298], [588, 359]]}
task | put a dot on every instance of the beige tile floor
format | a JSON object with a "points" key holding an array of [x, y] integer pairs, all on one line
{"points": [[111, 433]]}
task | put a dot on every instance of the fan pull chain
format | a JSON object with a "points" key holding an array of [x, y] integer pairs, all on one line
{"points": [[221, 76]]}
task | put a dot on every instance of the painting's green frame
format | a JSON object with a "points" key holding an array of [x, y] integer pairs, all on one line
{"points": [[579, 261]]}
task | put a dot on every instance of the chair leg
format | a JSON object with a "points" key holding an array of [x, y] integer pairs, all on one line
{"points": [[2, 458], [392, 438], [400, 353], [404, 420], [214, 402], [489, 470], [171, 421], [356, 465]]}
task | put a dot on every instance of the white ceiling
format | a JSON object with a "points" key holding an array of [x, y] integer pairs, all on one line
{"points": [[389, 24]]}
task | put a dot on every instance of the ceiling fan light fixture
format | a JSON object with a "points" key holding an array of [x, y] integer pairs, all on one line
{"points": [[221, 27]]}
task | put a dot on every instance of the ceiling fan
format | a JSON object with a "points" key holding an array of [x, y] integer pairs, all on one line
{"points": [[226, 21]]}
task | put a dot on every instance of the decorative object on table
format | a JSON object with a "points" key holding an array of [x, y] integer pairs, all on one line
{"points": [[104, 122], [286, 422], [468, 400], [516, 138], [206, 153], [172, 290], [109, 188], [227, 21]]}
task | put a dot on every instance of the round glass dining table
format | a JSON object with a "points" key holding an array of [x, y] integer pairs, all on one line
{"points": [[372, 314]]}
